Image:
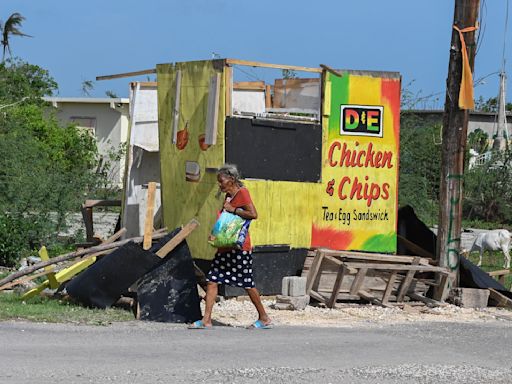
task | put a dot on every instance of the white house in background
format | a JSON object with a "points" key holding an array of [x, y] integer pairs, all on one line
{"points": [[106, 118]]}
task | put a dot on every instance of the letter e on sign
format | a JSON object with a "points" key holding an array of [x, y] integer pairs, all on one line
{"points": [[361, 120]]}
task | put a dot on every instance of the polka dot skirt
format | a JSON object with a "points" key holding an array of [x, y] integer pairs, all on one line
{"points": [[232, 268]]}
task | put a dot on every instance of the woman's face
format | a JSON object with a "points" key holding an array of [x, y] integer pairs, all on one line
{"points": [[225, 182]]}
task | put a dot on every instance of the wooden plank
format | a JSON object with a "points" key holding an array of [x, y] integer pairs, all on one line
{"points": [[43, 253], [148, 223], [267, 65], [176, 240], [414, 247], [372, 299], [133, 84], [441, 293], [404, 287], [317, 296], [399, 267], [501, 272], [228, 73], [176, 110], [212, 113], [331, 70], [314, 275], [501, 275], [334, 260], [127, 74], [326, 100], [268, 96], [426, 300], [73, 255], [337, 284], [25, 279], [373, 256], [502, 300], [249, 85], [358, 281], [101, 203], [389, 288]]}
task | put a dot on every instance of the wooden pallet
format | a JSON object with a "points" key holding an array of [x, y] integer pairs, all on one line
{"points": [[380, 279]]}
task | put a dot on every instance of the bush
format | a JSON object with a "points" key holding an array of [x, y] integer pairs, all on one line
{"points": [[46, 170]]}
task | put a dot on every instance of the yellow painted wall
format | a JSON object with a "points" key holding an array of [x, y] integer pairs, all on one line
{"points": [[287, 210]]}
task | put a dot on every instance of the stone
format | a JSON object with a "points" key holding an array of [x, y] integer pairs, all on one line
{"points": [[292, 303], [469, 297]]}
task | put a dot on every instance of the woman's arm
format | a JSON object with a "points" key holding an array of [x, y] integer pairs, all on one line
{"points": [[247, 212]]}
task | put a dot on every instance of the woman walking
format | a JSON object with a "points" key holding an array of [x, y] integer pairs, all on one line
{"points": [[233, 266]]}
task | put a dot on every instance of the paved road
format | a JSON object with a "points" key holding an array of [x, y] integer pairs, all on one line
{"points": [[138, 352]]}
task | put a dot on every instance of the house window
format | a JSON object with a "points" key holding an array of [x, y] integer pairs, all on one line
{"points": [[86, 124]]}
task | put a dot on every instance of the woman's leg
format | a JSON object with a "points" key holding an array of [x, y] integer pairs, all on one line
{"points": [[256, 300], [211, 294]]}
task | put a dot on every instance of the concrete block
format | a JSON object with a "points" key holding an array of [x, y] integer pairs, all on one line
{"points": [[293, 286], [292, 303], [469, 297], [286, 285], [297, 286]]}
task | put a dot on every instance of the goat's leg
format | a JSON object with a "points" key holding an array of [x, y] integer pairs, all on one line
{"points": [[506, 252], [480, 260]]}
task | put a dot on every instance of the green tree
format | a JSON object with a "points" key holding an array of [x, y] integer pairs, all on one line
{"points": [[488, 190], [490, 105], [87, 87], [478, 140], [11, 28], [420, 158], [46, 170]]}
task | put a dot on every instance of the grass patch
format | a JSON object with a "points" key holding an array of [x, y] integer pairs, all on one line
{"points": [[41, 309]]}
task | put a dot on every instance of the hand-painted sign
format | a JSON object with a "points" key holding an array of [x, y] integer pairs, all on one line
{"points": [[361, 120], [358, 207]]}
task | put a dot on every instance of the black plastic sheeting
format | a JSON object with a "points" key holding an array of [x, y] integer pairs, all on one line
{"points": [[470, 276], [103, 283], [168, 293], [167, 289]]}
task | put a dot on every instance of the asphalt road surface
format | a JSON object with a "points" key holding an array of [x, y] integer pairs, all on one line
{"points": [[141, 352]]}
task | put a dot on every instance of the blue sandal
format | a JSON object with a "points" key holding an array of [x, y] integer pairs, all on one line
{"points": [[199, 324], [258, 324]]}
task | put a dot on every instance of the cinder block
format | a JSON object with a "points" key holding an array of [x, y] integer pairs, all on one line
{"points": [[469, 297], [292, 303], [285, 289], [297, 286]]}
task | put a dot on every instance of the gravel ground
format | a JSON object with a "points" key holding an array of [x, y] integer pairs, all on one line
{"points": [[240, 312]]}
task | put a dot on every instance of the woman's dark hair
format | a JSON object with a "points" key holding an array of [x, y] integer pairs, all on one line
{"points": [[230, 170]]}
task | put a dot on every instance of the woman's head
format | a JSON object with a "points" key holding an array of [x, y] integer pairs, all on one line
{"points": [[228, 177]]}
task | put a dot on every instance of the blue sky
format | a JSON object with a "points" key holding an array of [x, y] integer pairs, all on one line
{"points": [[79, 40]]}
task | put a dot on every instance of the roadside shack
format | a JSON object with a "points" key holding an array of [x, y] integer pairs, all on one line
{"points": [[318, 153]]}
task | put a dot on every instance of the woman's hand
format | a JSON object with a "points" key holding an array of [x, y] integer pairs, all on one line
{"points": [[228, 207]]}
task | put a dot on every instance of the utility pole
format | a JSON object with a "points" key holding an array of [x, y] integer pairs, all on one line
{"points": [[455, 126]]}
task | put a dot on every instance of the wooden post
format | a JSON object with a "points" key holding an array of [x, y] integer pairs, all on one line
{"points": [[455, 124], [150, 208]]}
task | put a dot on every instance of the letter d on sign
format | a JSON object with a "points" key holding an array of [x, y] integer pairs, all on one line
{"points": [[351, 119]]}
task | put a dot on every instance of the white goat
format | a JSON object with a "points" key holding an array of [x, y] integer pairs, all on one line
{"points": [[495, 240]]}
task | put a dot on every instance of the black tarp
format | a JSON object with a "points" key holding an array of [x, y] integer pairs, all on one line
{"points": [[106, 280], [470, 276], [167, 285], [168, 293]]}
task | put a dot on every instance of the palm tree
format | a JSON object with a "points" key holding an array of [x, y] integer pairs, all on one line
{"points": [[11, 28]]}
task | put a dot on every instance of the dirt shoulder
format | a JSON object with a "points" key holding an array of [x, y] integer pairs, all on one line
{"points": [[236, 312]]}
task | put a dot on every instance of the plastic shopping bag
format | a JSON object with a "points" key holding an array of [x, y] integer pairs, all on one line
{"points": [[229, 231]]}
